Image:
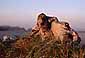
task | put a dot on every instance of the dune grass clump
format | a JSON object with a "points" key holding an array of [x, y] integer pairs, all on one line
{"points": [[38, 48]]}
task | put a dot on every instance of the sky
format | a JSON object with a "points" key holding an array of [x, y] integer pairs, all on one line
{"points": [[24, 13]]}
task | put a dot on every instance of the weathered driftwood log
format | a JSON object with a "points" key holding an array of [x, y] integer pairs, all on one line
{"points": [[47, 26]]}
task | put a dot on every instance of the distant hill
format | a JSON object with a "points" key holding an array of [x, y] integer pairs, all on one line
{"points": [[12, 31], [29, 30], [81, 31]]}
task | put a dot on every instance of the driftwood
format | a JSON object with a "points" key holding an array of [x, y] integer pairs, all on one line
{"points": [[47, 26]]}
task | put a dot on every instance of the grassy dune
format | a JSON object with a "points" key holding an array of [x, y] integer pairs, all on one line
{"points": [[34, 47]]}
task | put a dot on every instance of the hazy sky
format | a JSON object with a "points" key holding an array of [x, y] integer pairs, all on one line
{"points": [[24, 12]]}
